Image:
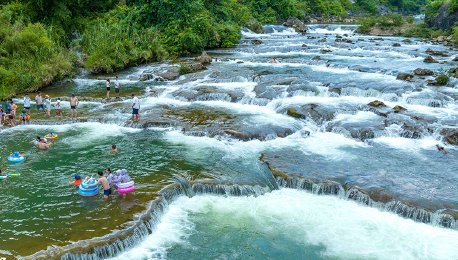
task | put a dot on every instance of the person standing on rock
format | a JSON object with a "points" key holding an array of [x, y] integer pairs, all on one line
{"points": [[27, 102], [73, 104], [135, 108], [117, 87], [108, 84], [47, 106], [58, 108], [39, 101]]}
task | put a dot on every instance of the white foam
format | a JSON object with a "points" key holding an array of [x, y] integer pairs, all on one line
{"points": [[337, 30], [329, 145], [360, 116], [345, 229]]}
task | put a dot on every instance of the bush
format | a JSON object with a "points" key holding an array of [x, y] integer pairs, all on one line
{"points": [[29, 57], [112, 42], [442, 79]]}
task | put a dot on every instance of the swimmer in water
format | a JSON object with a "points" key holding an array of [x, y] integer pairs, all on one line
{"points": [[441, 149], [114, 149]]}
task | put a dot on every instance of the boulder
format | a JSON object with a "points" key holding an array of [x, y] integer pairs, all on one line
{"points": [[304, 45], [316, 58], [405, 76], [256, 41], [423, 72], [453, 72], [325, 50], [204, 58], [399, 109], [376, 103], [396, 45], [169, 75], [437, 53], [317, 113], [296, 24], [322, 40], [455, 59], [407, 41], [450, 135], [146, 76], [430, 59]]}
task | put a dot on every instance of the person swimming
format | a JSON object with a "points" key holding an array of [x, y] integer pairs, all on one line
{"points": [[77, 181], [114, 149], [441, 149]]}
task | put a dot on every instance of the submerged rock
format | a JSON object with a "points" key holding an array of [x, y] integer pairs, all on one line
{"points": [[450, 135], [423, 72], [430, 59], [256, 41], [437, 53], [405, 76], [396, 44], [399, 109], [376, 103], [317, 113]]}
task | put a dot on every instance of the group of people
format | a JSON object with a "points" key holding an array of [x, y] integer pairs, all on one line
{"points": [[117, 86], [105, 181], [46, 105], [8, 113]]}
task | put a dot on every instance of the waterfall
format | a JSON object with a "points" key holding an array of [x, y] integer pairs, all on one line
{"points": [[358, 195]]}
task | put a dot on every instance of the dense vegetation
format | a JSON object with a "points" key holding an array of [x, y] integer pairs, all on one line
{"points": [[39, 39]]}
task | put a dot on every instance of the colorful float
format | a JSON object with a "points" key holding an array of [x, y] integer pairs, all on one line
{"points": [[122, 182], [16, 157], [88, 188]]}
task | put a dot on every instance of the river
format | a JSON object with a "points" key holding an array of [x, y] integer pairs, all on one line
{"points": [[350, 180]]}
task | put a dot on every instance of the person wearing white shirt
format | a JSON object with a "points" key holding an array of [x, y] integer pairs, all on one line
{"points": [[135, 108], [108, 84], [27, 102], [117, 87]]}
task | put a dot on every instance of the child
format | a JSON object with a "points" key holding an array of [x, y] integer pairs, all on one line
{"points": [[24, 118], [77, 181], [58, 108]]}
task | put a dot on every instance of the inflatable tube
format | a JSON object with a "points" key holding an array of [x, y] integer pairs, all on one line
{"points": [[51, 136], [126, 190], [123, 185], [88, 188], [15, 158]]}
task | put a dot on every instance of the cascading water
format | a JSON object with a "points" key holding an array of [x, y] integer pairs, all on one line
{"points": [[329, 117]]}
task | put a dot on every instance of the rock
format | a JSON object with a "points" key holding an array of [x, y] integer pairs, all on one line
{"points": [[444, 18], [407, 41], [296, 24], [441, 80], [363, 134], [204, 58], [430, 59], [146, 76], [423, 72], [396, 45], [455, 59], [343, 40], [293, 113], [450, 135], [376, 103], [453, 72], [322, 40], [317, 113], [191, 68], [325, 50], [169, 75], [304, 46], [256, 41], [399, 109], [437, 53], [405, 76], [316, 58]]}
